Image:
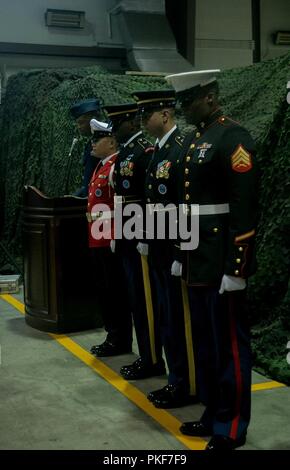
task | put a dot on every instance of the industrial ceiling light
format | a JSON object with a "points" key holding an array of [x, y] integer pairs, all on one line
{"points": [[282, 38], [65, 19]]}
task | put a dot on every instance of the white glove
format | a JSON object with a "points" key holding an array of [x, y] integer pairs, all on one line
{"points": [[232, 283], [176, 268], [142, 248], [113, 245]]}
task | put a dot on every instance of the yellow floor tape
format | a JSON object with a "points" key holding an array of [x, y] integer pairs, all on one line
{"points": [[267, 386], [166, 420]]}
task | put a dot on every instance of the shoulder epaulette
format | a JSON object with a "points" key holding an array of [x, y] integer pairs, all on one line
{"points": [[143, 143], [226, 121], [179, 139]]}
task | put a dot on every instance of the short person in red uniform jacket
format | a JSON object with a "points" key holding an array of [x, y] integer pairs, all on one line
{"points": [[113, 294]]}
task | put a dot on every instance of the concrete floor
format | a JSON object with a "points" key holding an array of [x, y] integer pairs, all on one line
{"points": [[49, 399]]}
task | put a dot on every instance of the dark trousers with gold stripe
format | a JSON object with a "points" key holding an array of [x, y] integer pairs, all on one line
{"points": [[170, 312], [134, 281], [223, 356]]}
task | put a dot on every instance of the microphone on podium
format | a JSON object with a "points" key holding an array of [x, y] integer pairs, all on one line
{"points": [[74, 142], [69, 164]]}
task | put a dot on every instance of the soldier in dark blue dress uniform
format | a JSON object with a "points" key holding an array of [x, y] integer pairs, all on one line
{"points": [[83, 112], [218, 172], [129, 176], [158, 118]]}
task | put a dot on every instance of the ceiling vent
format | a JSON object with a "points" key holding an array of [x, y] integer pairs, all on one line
{"points": [[282, 38], [154, 52], [65, 19]]}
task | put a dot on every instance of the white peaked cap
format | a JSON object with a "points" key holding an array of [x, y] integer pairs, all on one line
{"points": [[98, 126], [187, 80]]}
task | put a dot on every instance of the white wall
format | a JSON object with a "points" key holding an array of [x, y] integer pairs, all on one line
{"points": [[275, 16], [23, 21], [223, 34], [222, 30]]}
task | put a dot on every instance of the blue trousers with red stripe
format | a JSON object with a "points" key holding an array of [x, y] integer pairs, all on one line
{"points": [[223, 358]]}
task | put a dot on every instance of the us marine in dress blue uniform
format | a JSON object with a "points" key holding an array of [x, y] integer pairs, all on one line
{"points": [[218, 172]]}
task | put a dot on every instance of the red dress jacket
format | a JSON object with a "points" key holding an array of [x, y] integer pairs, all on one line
{"points": [[100, 212]]}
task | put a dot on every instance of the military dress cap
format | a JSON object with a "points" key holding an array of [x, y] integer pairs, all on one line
{"points": [[100, 129], [189, 84], [154, 99], [85, 106], [122, 112]]}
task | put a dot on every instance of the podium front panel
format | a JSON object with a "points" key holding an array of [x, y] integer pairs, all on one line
{"points": [[59, 283]]}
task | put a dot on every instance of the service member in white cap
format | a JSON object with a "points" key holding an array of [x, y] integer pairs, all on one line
{"points": [[112, 292], [218, 173]]}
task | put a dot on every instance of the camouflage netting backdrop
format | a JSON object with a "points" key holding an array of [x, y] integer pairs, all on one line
{"points": [[37, 132]]}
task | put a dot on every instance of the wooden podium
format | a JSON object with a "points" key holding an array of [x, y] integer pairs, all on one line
{"points": [[60, 288]]}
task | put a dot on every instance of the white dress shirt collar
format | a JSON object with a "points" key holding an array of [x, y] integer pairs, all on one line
{"points": [[165, 137], [105, 160]]}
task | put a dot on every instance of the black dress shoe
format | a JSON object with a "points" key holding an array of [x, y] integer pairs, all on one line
{"points": [[195, 428], [219, 442], [157, 393], [138, 370], [171, 396], [129, 367], [107, 349]]}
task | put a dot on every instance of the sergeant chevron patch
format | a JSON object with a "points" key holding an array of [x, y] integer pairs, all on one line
{"points": [[241, 160]]}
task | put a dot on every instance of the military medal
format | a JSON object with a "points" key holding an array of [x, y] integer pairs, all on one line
{"points": [[126, 168], [202, 153], [163, 169], [202, 149]]}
